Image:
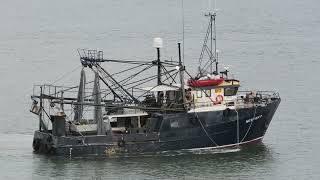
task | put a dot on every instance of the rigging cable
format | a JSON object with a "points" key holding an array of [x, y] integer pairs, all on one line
{"points": [[116, 86], [149, 79], [113, 86], [111, 79], [154, 86], [203, 128], [166, 72], [254, 116], [144, 80], [238, 131], [62, 76], [134, 75], [126, 70], [199, 118]]}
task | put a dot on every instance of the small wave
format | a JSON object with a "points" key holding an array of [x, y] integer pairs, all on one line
{"points": [[201, 151]]}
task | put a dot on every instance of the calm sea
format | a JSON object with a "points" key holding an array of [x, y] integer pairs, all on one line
{"points": [[269, 45]]}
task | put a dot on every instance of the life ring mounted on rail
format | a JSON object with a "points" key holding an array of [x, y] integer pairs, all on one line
{"points": [[219, 99]]}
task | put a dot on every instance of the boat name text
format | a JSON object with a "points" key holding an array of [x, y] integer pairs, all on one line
{"points": [[253, 119]]}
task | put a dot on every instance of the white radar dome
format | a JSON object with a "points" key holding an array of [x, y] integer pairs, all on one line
{"points": [[157, 42]]}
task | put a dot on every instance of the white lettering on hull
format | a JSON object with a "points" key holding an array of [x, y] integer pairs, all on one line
{"points": [[253, 119]]}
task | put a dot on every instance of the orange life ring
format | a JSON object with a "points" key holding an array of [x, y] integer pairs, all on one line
{"points": [[219, 99]]}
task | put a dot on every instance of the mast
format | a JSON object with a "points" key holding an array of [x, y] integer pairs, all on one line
{"points": [[159, 66], [209, 48], [181, 70], [215, 43], [40, 112], [101, 129], [81, 94], [213, 39], [211, 61], [158, 43], [42, 125]]}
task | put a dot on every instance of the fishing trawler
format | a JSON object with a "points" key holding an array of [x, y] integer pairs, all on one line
{"points": [[150, 112]]}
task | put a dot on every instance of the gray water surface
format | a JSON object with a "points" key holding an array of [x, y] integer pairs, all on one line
{"points": [[270, 45]]}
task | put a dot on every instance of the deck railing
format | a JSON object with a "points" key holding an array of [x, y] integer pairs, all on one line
{"points": [[243, 99]]}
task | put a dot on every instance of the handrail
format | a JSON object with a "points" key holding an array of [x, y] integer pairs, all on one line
{"points": [[263, 97]]}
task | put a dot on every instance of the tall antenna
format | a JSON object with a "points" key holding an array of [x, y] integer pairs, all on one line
{"points": [[215, 36], [182, 7]]}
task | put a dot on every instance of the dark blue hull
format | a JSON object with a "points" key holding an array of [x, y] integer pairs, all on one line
{"points": [[170, 132]]}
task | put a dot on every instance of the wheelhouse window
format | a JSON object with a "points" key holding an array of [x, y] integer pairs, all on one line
{"points": [[208, 93], [199, 94], [230, 91]]}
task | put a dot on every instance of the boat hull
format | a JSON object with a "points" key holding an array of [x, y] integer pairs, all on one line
{"points": [[193, 130]]}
